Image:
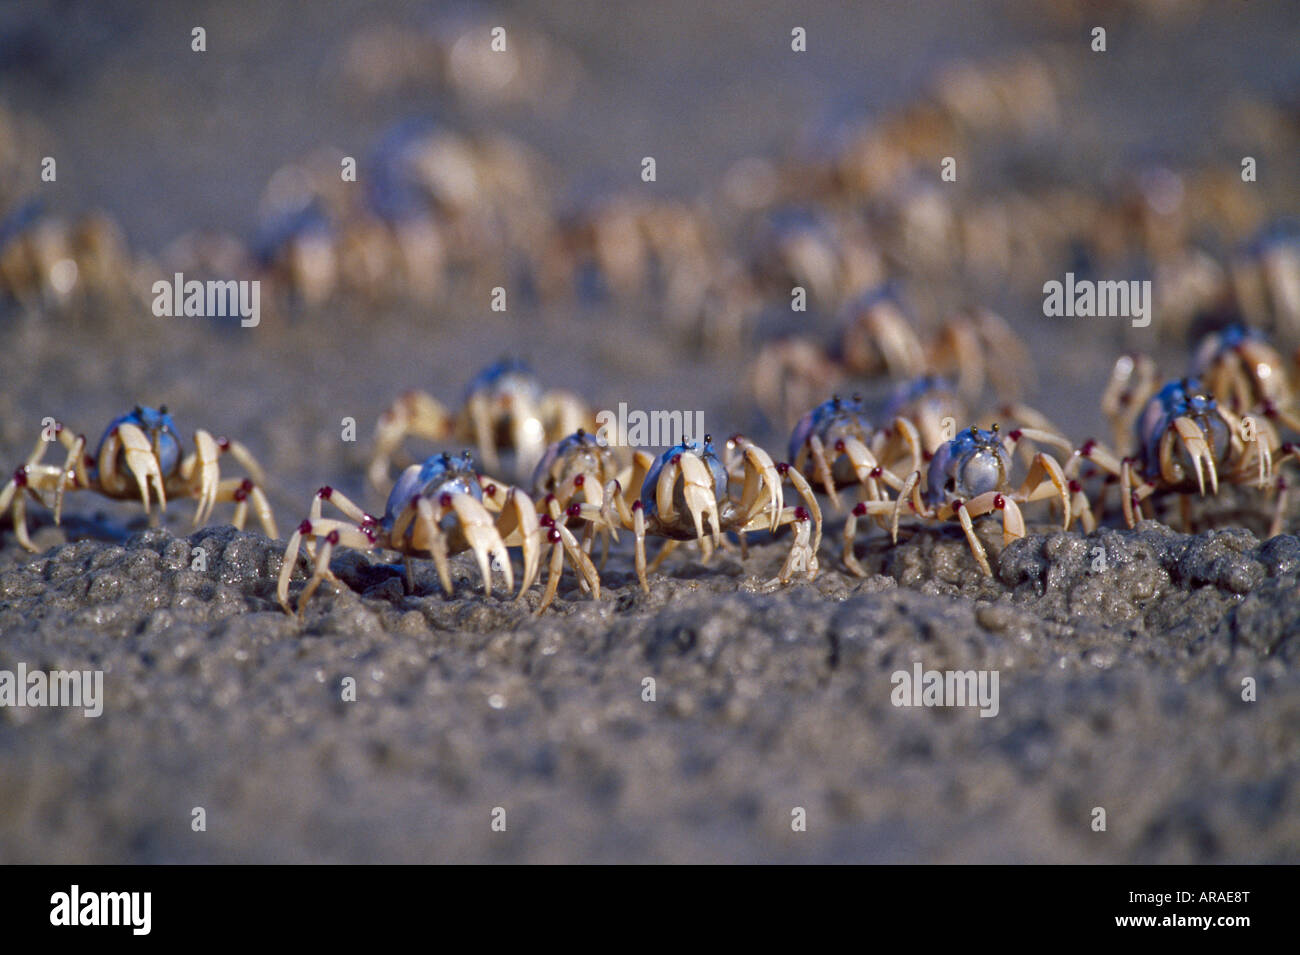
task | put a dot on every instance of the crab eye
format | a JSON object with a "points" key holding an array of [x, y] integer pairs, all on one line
{"points": [[981, 473]]}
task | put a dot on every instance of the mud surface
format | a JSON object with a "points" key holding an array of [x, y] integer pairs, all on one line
{"points": [[1120, 689], [1121, 679]]}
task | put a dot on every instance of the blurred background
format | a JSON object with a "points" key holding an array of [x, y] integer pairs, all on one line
{"points": [[522, 170]]}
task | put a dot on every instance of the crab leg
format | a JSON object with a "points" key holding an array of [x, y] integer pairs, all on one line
{"points": [[30, 478], [638, 529], [869, 469], [802, 558], [1036, 434], [976, 546], [809, 499], [241, 491], [1046, 465], [850, 535], [1132, 495], [1098, 455], [905, 431], [911, 491], [332, 533], [244, 457], [518, 525], [563, 542], [668, 547], [74, 465], [554, 569], [1013, 522], [20, 482], [1132, 382], [633, 477], [1080, 508]]}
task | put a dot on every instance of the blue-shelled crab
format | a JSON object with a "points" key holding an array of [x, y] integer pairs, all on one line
{"points": [[1183, 439], [438, 508], [691, 493], [970, 476], [139, 455]]}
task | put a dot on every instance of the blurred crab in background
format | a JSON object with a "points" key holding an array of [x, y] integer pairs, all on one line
{"points": [[973, 347], [1244, 372], [46, 261], [830, 256], [458, 53], [139, 453], [441, 507], [1266, 280], [505, 409]]}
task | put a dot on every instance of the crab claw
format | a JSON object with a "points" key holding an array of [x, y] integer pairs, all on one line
{"points": [[481, 534], [142, 463], [1034, 488], [209, 475], [1194, 440], [697, 489]]}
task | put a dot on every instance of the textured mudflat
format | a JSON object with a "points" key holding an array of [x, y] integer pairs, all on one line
{"points": [[1119, 689]]}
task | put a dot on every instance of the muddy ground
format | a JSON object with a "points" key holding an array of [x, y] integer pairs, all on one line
{"points": [[1121, 686]]}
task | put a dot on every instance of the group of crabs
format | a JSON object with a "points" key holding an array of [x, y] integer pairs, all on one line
{"points": [[1223, 423]]}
